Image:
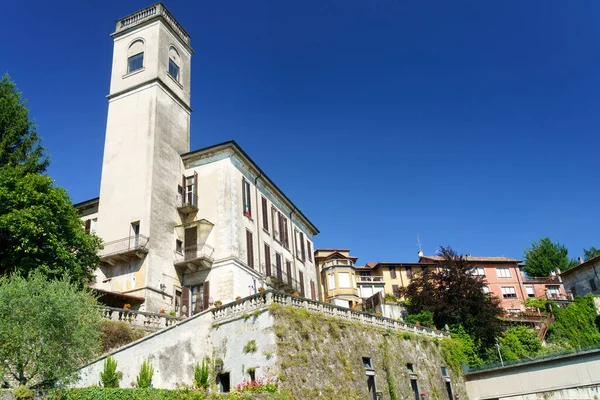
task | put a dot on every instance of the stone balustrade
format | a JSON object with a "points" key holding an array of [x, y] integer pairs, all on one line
{"points": [[157, 9], [263, 300], [147, 321]]}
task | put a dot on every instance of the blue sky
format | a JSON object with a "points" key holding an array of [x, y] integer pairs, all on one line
{"points": [[472, 123]]}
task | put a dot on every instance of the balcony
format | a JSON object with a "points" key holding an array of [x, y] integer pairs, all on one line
{"points": [[194, 258], [370, 279], [337, 262], [123, 250], [281, 280], [187, 203]]}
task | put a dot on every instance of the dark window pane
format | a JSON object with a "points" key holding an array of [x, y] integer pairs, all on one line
{"points": [[173, 69], [135, 62]]}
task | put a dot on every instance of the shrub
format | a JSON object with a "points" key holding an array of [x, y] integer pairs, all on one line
{"points": [[23, 392], [250, 347], [460, 349], [260, 385], [144, 378], [575, 326], [425, 318], [201, 375], [118, 333], [110, 376]]}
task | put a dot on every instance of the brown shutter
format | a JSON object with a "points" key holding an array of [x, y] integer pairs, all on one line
{"points": [[302, 252], [393, 272], [185, 301], [396, 290], [250, 249], [301, 277], [265, 214], [183, 190], [286, 241], [88, 226], [313, 292], [205, 295], [267, 260], [278, 266], [288, 266], [308, 250], [244, 196], [195, 199]]}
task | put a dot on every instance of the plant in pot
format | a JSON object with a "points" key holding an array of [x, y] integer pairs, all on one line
{"points": [[218, 303], [127, 306], [238, 298], [261, 289]]}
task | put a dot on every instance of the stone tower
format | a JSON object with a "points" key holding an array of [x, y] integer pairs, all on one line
{"points": [[148, 128]]}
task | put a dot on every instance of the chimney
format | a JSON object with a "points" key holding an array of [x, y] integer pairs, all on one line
{"points": [[420, 253], [580, 259]]}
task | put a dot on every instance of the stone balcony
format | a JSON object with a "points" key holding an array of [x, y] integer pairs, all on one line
{"points": [[150, 322], [194, 258], [123, 250]]}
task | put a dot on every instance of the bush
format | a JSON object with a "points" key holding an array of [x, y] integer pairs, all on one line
{"points": [[144, 379], [201, 376], [425, 318], [575, 326], [519, 342], [97, 393], [110, 377], [23, 392], [118, 333], [460, 349]]}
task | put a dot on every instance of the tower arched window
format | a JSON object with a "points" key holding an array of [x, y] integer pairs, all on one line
{"points": [[174, 62], [135, 56]]}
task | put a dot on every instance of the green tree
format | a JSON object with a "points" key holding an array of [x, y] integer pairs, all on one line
{"points": [[19, 143], [517, 343], [425, 318], [109, 377], [460, 349], [48, 329], [144, 378], [455, 297], [575, 326], [40, 230], [590, 253], [545, 256]]}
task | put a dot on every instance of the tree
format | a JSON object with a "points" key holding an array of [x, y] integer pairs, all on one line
{"points": [[544, 257], [517, 343], [455, 297], [48, 329], [590, 253], [19, 143], [40, 229]]}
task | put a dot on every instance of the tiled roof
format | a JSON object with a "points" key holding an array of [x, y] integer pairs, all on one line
{"points": [[476, 258]]}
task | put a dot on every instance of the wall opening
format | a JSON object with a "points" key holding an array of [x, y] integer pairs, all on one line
{"points": [[372, 388], [223, 382], [449, 390], [415, 389]]}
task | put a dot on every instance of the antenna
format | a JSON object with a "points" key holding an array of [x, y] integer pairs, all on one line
{"points": [[419, 244]]}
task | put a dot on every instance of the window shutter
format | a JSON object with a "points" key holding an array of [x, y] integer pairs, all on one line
{"points": [[88, 226], [265, 214], [205, 295], [278, 266], [250, 249], [289, 271], [393, 272], [302, 253], [308, 250], [301, 278], [396, 290], [195, 188], [313, 293], [267, 260], [244, 199], [185, 301], [286, 241], [183, 190]]}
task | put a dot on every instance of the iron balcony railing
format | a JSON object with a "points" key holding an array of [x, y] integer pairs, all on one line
{"points": [[369, 279], [281, 278], [187, 200], [194, 252], [125, 245]]}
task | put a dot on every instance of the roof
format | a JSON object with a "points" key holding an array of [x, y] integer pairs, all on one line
{"points": [[591, 261], [87, 203], [236, 147], [475, 258], [373, 265]]}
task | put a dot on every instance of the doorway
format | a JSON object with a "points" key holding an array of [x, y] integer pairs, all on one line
{"points": [[371, 387], [415, 389], [190, 246], [449, 390], [223, 382]]}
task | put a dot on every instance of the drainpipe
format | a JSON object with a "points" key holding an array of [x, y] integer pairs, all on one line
{"points": [[518, 271], [258, 227]]}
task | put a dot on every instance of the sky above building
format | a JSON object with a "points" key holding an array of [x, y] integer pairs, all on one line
{"points": [[472, 123]]}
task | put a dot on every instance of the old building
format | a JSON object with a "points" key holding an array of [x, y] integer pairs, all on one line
{"points": [[583, 278], [183, 229], [337, 275]]}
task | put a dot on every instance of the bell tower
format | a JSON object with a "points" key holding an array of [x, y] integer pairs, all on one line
{"points": [[147, 129]]}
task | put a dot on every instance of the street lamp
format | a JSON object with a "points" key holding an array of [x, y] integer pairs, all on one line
{"points": [[499, 353]]}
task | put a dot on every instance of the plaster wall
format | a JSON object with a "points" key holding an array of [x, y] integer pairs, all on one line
{"points": [[579, 279]]}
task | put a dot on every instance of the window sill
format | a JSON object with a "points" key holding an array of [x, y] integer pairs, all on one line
{"points": [[137, 71], [175, 80], [266, 231]]}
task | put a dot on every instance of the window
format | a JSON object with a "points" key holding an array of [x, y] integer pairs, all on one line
{"points": [[530, 291], [478, 271], [267, 260], [313, 290], [189, 190], [301, 279], [174, 63], [554, 291], [280, 231], [593, 285], [502, 272], [265, 214], [486, 290], [288, 268], [299, 239], [135, 56], [135, 234], [410, 368], [249, 249], [246, 198], [367, 363], [252, 373], [278, 266], [509, 292], [409, 272], [331, 281], [444, 371], [344, 280], [396, 290], [309, 250], [393, 272], [178, 246], [199, 298]]}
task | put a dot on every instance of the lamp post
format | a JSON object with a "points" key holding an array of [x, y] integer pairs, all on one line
{"points": [[499, 353]]}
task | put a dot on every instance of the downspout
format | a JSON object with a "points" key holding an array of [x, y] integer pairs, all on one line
{"points": [[518, 271], [258, 227]]}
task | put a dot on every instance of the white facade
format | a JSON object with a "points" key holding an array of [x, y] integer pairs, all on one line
{"points": [[177, 225]]}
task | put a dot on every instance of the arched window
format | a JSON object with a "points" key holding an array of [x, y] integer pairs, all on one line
{"points": [[174, 63], [135, 56]]}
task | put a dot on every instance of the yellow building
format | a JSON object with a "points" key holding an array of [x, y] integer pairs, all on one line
{"points": [[337, 274], [394, 276]]}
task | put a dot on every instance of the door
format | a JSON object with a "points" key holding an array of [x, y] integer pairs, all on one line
{"points": [[185, 301], [371, 386], [135, 231], [190, 247], [449, 390], [197, 302], [415, 389], [178, 302]]}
